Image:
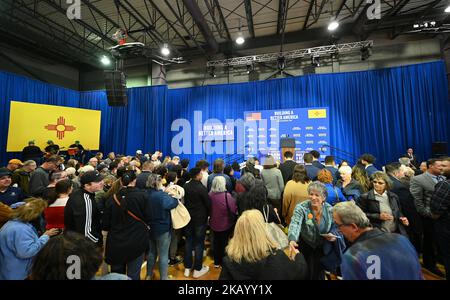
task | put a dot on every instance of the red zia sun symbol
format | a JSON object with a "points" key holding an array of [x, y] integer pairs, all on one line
{"points": [[60, 127]]}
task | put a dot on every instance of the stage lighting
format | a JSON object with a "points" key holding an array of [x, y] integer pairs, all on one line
{"points": [[447, 10], [333, 25], [212, 71], [105, 60], [250, 68], [315, 61], [165, 50], [365, 53]]}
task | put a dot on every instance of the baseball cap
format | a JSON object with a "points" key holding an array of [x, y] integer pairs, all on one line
{"points": [[5, 172], [139, 152], [91, 176], [16, 161]]}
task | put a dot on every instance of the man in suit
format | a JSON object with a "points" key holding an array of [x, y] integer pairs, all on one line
{"points": [[330, 165], [414, 230], [412, 158], [316, 163], [311, 170], [287, 167], [368, 160], [422, 188], [440, 210]]}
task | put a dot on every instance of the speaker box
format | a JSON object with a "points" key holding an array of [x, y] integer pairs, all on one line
{"points": [[439, 149], [116, 88]]}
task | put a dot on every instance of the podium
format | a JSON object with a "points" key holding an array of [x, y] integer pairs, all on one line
{"points": [[287, 144]]}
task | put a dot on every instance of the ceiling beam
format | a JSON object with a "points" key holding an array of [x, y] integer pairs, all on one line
{"points": [[197, 15], [282, 15], [248, 12], [216, 2], [308, 14], [184, 26]]}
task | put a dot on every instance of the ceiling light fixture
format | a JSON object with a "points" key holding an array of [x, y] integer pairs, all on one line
{"points": [[165, 50], [105, 60], [333, 25]]}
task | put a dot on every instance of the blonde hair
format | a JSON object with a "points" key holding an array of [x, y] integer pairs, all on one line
{"points": [[29, 211], [251, 242]]}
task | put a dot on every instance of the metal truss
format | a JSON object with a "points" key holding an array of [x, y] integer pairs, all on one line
{"points": [[301, 53]]}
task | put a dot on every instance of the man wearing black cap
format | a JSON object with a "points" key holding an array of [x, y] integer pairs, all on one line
{"points": [[8, 194], [81, 213]]}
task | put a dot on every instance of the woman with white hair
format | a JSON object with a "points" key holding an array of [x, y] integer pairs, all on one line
{"points": [[253, 255], [350, 187], [223, 215], [310, 226]]}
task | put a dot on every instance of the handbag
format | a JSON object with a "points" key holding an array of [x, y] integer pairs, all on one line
{"points": [[275, 231], [180, 216], [131, 214], [231, 216]]}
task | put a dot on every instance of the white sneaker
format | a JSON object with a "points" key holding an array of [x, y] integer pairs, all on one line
{"points": [[187, 272], [202, 272]]}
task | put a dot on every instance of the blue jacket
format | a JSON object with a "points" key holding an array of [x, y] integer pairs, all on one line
{"points": [[227, 180], [160, 205], [370, 170], [312, 172], [334, 194], [19, 243], [381, 255]]}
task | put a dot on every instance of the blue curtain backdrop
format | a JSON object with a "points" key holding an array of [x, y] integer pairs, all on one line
{"points": [[380, 111]]}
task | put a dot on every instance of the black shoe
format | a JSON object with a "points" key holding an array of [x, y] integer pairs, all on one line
{"points": [[175, 261], [436, 272]]}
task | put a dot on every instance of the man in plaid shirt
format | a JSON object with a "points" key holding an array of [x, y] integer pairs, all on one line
{"points": [[440, 209]]}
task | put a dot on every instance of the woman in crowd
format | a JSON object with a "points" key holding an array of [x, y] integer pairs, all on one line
{"points": [[177, 192], [296, 191], [223, 215], [360, 175], [250, 168], [245, 183], [334, 194], [382, 207], [5, 213], [349, 186], [253, 255], [256, 198], [48, 266], [125, 218], [228, 170], [310, 225], [273, 181], [19, 241], [160, 226], [49, 193], [54, 213]]}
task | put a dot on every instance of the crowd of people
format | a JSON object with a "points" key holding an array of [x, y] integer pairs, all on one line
{"points": [[272, 220]]}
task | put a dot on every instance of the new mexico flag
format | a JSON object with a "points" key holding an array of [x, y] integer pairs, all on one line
{"points": [[63, 125], [317, 113]]}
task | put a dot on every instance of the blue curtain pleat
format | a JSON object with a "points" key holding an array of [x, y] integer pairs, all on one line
{"points": [[380, 111]]}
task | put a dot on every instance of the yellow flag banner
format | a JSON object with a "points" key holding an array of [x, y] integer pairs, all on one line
{"points": [[63, 125], [317, 114]]}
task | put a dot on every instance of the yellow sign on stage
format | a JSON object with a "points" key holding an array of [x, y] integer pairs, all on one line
{"points": [[317, 113], [63, 125]]}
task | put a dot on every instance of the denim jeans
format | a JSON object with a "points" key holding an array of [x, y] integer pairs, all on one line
{"points": [[160, 247], [195, 240], [132, 268], [174, 243]]}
